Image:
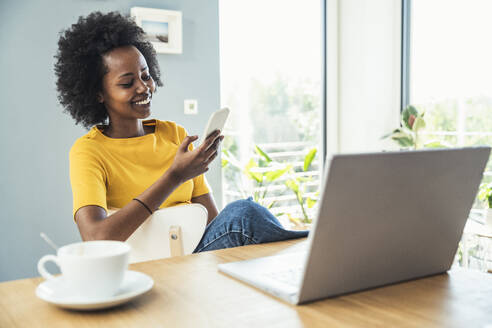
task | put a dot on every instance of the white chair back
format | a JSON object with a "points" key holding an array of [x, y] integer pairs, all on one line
{"points": [[170, 231]]}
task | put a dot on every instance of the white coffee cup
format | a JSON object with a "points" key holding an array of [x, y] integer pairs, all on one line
{"points": [[92, 269]]}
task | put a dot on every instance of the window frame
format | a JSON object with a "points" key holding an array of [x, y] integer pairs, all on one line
{"points": [[406, 6]]}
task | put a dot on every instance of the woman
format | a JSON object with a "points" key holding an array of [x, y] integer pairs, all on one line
{"points": [[106, 77]]}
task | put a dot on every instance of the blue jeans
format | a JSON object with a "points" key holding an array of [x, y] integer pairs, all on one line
{"points": [[244, 222]]}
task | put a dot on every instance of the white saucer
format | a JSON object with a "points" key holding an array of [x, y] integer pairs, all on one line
{"points": [[134, 284]]}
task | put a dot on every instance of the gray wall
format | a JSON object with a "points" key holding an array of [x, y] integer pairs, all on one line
{"points": [[35, 134]]}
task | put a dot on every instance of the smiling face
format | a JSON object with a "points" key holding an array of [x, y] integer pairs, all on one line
{"points": [[127, 86]]}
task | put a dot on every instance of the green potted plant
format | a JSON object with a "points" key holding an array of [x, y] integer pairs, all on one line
{"points": [[409, 135], [485, 194], [297, 185], [262, 170]]}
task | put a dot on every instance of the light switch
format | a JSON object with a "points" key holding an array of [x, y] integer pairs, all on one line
{"points": [[190, 107]]}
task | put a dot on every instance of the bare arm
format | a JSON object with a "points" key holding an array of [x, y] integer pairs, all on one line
{"points": [[208, 201], [92, 221], [94, 225]]}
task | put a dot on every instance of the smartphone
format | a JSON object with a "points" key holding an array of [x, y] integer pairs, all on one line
{"points": [[215, 122]]}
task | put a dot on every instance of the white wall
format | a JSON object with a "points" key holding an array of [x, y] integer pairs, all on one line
{"points": [[36, 135], [363, 73]]}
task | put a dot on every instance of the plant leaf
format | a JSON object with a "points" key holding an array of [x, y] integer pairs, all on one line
{"points": [[249, 171], [401, 134], [435, 144], [250, 165], [256, 176], [404, 141], [309, 158], [262, 154], [392, 133], [296, 221], [262, 163], [419, 124], [485, 193], [407, 112], [292, 185], [310, 202], [274, 175]]}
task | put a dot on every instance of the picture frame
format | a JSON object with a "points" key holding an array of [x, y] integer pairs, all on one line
{"points": [[163, 28]]}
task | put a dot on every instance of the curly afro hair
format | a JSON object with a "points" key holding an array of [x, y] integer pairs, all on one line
{"points": [[79, 67]]}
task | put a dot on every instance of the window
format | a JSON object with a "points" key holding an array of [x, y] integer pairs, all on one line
{"points": [[448, 76], [271, 69], [450, 70]]}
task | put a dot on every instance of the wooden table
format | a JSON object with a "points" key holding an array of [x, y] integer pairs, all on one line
{"points": [[190, 292]]}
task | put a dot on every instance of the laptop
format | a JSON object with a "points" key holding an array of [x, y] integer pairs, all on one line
{"points": [[382, 218]]}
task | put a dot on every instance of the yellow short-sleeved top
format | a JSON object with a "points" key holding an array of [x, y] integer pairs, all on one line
{"points": [[110, 172]]}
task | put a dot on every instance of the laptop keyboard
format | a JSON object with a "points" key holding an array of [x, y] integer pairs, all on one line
{"points": [[291, 276]]}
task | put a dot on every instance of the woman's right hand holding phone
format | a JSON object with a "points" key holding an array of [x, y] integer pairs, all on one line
{"points": [[191, 163]]}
